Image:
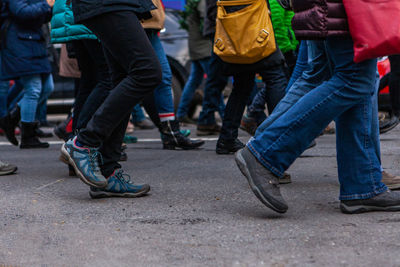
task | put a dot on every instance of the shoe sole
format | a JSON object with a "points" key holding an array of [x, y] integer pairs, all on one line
{"points": [[224, 152], [96, 195], [393, 186], [8, 172], [243, 168], [285, 180], [385, 130], [78, 172], [362, 208], [173, 147]]}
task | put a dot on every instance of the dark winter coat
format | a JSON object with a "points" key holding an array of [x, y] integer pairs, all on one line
{"points": [[25, 51], [316, 19], [85, 9]]}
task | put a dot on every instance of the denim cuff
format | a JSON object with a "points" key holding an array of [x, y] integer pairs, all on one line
{"points": [[265, 163]]}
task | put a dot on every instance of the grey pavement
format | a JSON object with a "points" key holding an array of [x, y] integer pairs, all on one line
{"points": [[200, 212]]}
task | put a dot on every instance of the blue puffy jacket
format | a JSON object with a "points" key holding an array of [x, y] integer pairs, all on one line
{"points": [[24, 51], [63, 27]]}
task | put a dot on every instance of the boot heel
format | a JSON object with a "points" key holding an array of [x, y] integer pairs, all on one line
{"points": [[169, 147]]}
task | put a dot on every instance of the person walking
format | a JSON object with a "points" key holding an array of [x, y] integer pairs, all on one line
{"points": [[200, 52], [135, 72], [24, 38], [347, 95]]}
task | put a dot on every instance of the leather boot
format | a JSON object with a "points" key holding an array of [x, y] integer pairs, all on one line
{"points": [[9, 122], [29, 138], [172, 137]]}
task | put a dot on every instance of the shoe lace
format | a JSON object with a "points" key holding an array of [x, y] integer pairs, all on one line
{"points": [[94, 159], [123, 177]]}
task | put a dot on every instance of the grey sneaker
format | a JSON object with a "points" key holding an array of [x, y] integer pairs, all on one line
{"points": [[85, 161], [386, 201], [285, 179], [6, 168], [265, 185]]}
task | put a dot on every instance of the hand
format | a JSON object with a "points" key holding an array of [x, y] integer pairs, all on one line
{"points": [[50, 2]]}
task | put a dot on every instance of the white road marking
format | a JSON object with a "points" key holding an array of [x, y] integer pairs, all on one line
{"points": [[140, 140], [47, 185]]}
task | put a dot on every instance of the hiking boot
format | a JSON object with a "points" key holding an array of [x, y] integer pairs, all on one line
{"points": [[85, 161], [388, 124], [145, 124], [9, 122], [212, 129], [61, 130], [390, 180], [6, 168], [225, 147], [120, 185], [172, 137], [386, 201], [285, 179], [249, 125], [71, 170], [265, 184], [29, 139]]}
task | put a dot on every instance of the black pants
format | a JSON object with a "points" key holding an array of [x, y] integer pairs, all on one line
{"points": [[275, 84], [135, 72], [394, 84], [94, 88]]}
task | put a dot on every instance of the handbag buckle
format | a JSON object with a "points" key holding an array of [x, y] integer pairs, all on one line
{"points": [[219, 44], [262, 36]]}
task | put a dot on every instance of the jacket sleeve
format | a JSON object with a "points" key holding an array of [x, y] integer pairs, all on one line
{"points": [[23, 10], [280, 29]]}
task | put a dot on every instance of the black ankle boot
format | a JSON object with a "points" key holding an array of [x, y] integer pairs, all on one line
{"points": [[172, 137], [29, 138], [228, 147], [9, 122]]}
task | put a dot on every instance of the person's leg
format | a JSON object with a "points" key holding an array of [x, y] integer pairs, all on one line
{"points": [[349, 90], [317, 72], [124, 38], [48, 88], [215, 84], [394, 84], [135, 72], [276, 83], [4, 87], [98, 76], [87, 81], [301, 64], [194, 81], [32, 85], [227, 142]]}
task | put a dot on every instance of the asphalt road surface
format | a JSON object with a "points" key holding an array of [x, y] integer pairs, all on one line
{"points": [[200, 212]]}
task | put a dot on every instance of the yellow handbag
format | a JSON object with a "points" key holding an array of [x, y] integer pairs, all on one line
{"points": [[158, 17], [244, 36]]}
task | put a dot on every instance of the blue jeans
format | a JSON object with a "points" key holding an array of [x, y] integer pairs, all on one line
{"points": [[301, 64], [163, 93], [318, 71], [346, 96], [215, 84], [197, 71], [137, 114], [4, 87], [41, 112], [36, 87]]}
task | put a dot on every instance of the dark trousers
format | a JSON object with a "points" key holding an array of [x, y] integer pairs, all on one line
{"points": [[394, 84], [243, 84], [275, 84], [94, 88], [135, 72]]}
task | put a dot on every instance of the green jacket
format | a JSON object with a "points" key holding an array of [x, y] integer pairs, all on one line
{"points": [[282, 24], [63, 27]]}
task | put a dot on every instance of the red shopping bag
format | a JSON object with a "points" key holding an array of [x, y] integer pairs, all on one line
{"points": [[374, 27]]}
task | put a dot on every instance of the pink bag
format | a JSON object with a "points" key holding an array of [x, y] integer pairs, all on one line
{"points": [[374, 26]]}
